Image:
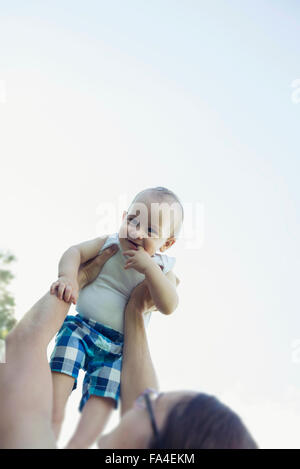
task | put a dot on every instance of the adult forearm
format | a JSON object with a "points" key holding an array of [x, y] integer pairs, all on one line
{"points": [[69, 263], [137, 370]]}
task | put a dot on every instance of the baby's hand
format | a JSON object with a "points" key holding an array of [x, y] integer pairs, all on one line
{"points": [[65, 289], [139, 260]]}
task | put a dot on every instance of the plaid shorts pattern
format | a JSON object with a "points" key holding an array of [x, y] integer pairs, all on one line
{"points": [[83, 343]]}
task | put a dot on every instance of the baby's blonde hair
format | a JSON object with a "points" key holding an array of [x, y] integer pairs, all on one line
{"points": [[162, 194]]}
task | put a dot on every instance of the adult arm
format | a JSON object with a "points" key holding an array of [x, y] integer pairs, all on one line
{"points": [[138, 372], [25, 380]]}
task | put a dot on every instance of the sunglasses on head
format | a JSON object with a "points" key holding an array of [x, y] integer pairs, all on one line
{"points": [[145, 401]]}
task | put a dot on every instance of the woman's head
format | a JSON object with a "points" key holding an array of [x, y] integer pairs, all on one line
{"points": [[184, 420], [202, 422]]}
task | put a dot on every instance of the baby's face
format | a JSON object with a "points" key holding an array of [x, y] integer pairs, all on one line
{"points": [[146, 224]]}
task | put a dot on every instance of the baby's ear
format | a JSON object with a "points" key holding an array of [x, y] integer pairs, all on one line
{"points": [[168, 244], [124, 215]]}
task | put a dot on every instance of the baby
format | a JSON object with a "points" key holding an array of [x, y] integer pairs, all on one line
{"points": [[93, 339]]}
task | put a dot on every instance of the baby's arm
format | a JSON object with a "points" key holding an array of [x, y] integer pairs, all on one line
{"points": [[162, 289], [66, 287]]}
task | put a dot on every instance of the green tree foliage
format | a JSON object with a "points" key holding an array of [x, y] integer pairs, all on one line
{"points": [[7, 302]]}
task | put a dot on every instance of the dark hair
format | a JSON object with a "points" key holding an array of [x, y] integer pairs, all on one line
{"points": [[202, 422]]}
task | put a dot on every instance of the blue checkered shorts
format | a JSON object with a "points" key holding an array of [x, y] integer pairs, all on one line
{"points": [[83, 343]]}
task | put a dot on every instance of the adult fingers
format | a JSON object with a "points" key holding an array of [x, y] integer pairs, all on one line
{"points": [[61, 290], [107, 253], [141, 297], [104, 255], [67, 293], [53, 287], [129, 253], [90, 270], [73, 300]]}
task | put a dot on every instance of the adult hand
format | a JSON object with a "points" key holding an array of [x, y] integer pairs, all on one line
{"points": [[90, 270], [140, 300]]}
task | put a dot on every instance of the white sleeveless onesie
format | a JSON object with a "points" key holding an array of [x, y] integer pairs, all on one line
{"points": [[104, 300]]}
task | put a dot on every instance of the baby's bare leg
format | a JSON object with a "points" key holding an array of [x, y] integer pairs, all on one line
{"points": [[94, 418], [62, 388]]}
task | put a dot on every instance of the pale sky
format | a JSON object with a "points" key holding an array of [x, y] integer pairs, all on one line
{"points": [[99, 100]]}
